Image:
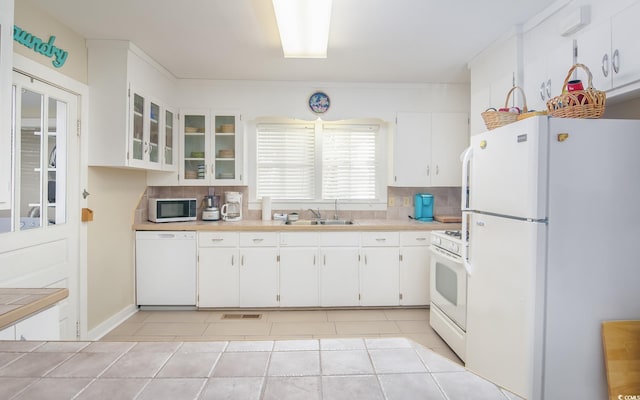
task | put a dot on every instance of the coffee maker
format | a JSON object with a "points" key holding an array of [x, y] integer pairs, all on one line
{"points": [[232, 208], [211, 210]]}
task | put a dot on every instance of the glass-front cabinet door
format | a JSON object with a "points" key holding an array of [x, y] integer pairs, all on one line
{"points": [[137, 128], [169, 140], [146, 143], [196, 141], [226, 149], [211, 149]]}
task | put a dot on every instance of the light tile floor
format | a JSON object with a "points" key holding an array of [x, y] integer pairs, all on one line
{"points": [[309, 369], [204, 325], [287, 355]]}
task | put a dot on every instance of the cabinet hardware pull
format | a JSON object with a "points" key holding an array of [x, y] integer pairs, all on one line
{"points": [[427, 170], [232, 263], [605, 65], [325, 259], [437, 170], [365, 259], [381, 239], [217, 239], [242, 260], [549, 89], [615, 61], [421, 239], [314, 259], [257, 240]]}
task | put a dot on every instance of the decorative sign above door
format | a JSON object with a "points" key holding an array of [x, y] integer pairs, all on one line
{"points": [[47, 48]]}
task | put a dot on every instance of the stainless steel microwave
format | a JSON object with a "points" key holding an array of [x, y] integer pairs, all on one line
{"points": [[172, 210]]}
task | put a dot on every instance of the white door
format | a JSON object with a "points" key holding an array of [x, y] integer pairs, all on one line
{"points": [[218, 277], [379, 281], [339, 276], [299, 277], [503, 299], [414, 275], [41, 234], [449, 138], [258, 277], [514, 157], [412, 150]]}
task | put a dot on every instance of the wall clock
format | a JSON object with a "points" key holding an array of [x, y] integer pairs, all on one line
{"points": [[319, 102]]}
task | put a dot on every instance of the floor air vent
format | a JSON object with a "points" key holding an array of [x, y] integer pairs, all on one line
{"points": [[241, 316]]}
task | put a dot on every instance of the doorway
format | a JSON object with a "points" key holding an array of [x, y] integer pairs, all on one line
{"points": [[40, 244]]}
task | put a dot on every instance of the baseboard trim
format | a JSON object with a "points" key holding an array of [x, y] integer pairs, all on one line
{"points": [[107, 326]]}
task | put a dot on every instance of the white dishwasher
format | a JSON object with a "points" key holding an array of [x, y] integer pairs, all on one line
{"points": [[166, 268]]}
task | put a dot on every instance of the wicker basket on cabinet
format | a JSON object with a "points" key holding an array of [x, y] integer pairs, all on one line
{"points": [[494, 119]]}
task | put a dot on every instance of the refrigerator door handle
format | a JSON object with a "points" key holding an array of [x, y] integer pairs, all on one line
{"points": [[466, 159], [465, 242]]}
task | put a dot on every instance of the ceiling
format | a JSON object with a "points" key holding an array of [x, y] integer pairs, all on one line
{"points": [[412, 41]]}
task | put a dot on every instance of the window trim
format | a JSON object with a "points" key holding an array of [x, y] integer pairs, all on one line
{"points": [[377, 204]]}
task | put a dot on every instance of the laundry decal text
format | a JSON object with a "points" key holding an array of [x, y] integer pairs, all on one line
{"points": [[38, 45]]}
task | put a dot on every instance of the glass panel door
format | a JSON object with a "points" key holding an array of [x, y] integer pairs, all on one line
{"points": [[195, 147], [168, 138], [31, 144], [138, 127], [225, 147], [154, 132]]}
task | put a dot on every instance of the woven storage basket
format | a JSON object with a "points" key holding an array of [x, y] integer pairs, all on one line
{"points": [[495, 119], [588, 103]]}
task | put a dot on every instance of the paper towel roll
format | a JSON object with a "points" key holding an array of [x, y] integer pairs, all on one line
{"points": [[266, 208]]}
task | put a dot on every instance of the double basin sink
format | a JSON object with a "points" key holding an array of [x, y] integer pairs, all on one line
{"points": [[320, 222]]}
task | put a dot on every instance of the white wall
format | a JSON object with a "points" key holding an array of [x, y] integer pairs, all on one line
{"points": [[114, 196], [290, 99], [36, 22]]}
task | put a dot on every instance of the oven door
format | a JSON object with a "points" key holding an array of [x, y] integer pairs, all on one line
{"points": [[449, 285]]}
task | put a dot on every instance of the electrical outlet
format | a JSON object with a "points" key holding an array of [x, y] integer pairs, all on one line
{"points": [[392, 201], [406, 201]]}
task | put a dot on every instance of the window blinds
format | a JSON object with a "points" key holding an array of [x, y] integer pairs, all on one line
{"points": [[286, 161]]}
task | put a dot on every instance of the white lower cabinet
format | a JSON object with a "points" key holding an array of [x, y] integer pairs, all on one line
{"points": [[44, 325], [414, 268], [258, 269], [379, 268], [339, 268], [311, 269], [299, 284], [218, 270]]}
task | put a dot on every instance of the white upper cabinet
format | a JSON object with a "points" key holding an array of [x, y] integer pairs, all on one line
{"points": [[129, 94], [544, 74], [609, 50], [212, 148], [427, 147]]}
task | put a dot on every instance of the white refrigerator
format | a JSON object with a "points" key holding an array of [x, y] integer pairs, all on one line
{"points": [[551, 211]]}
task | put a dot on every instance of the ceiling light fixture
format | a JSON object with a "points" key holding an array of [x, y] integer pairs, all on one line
{"points": [[304, 27]]}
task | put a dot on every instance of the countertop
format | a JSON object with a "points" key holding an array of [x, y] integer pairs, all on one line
{"points": [[280, 226], [17, 303]]}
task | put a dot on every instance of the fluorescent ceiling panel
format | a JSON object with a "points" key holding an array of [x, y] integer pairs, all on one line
{"points": [[304, 27]]}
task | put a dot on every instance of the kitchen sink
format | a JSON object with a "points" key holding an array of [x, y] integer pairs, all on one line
{"points": [[320, 222], [303, 222], [336, 222]]}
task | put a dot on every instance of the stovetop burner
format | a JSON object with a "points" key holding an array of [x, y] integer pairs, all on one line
{"points": [[456, 234]]}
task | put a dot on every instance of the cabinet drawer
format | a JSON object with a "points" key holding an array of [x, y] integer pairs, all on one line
{"points": [[380, 239], [217, 239], [339, 239], [415, 238], [292, 239], [258, 239]]}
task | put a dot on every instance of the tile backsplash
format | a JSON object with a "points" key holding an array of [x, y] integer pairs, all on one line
{"points": [[446, 201]]}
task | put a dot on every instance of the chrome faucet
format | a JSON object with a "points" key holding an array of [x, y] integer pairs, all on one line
{"points": [[316, 214]]}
